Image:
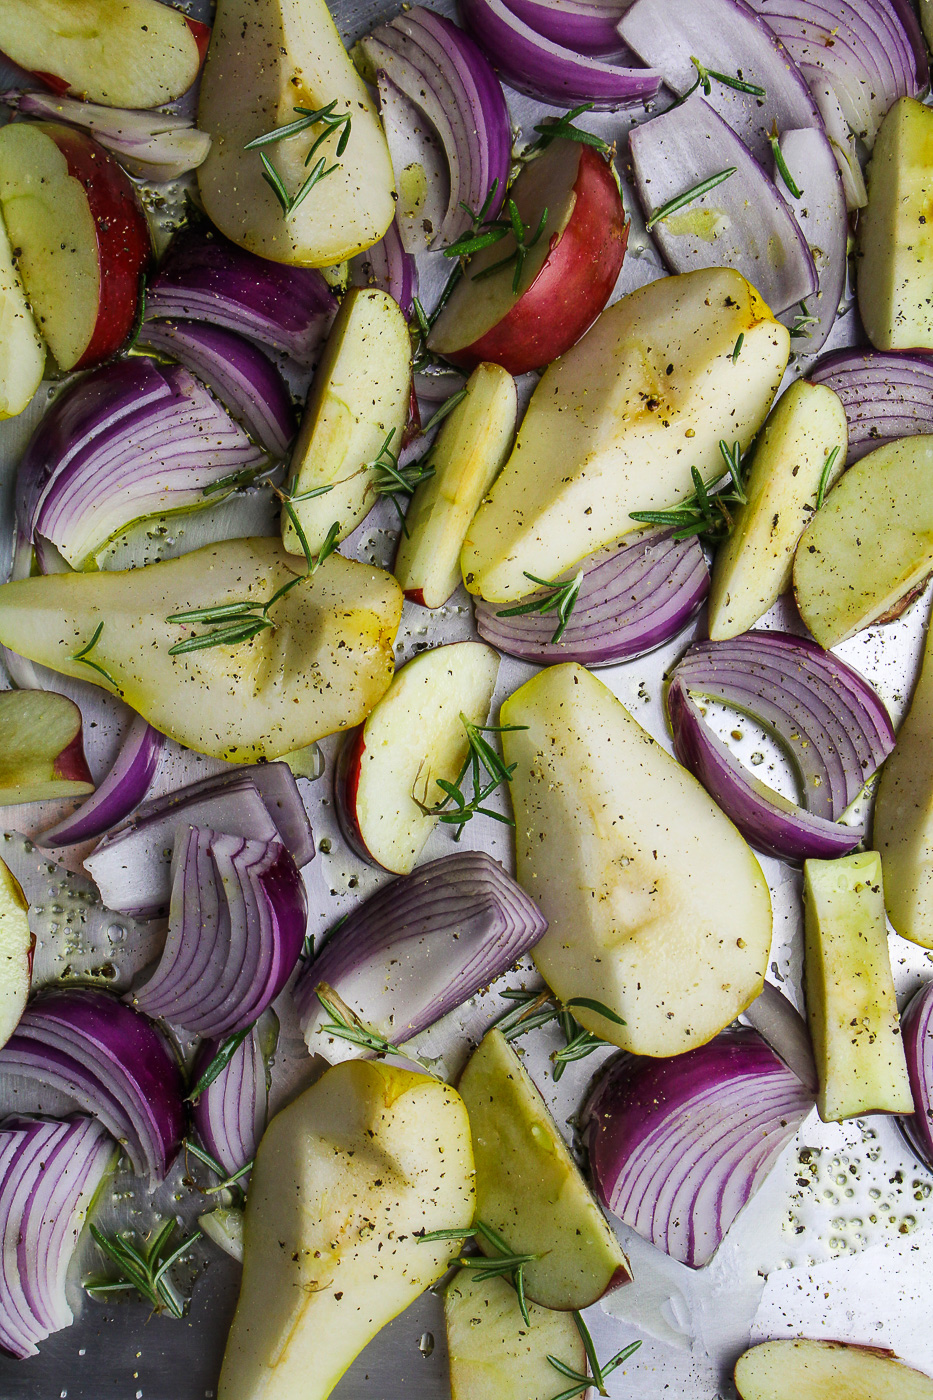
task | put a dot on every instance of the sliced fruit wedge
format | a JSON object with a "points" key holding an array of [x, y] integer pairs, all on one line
{"points": [[812, 1370], [22, 354], [41, 748]]}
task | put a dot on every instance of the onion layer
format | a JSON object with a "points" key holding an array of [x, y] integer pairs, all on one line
{"points": [[419, 948], [230, 1114], [830, 722], [49, 1176], [112, 1062], [634, 597], [677, 1147], [236, 926], [887, 394], [585, 26], [118, 794], [917, 1033], [387, 265], [822, 216]]}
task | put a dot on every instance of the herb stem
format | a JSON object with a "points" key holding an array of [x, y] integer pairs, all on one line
{"points": [[780, 164], [824, 477], [84, 654], [695, 192]]}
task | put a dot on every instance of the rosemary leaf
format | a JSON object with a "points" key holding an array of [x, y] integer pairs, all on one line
{"points": [[737, 348], [221, 636], [780, 164], [145, 1271], [825, 475], [680, 201], [562, 600], [219, 1063], [84, 657], [446, 407]]}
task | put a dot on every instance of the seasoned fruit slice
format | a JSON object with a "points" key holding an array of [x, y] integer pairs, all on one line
{"points": [[805, 1370], [16, 949], [41, 748], [22, 354]]}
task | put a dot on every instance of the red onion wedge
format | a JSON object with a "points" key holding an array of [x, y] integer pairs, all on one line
{"points": [[230, 1114], [419, 948], [443, 74], [91, 469], [244, 379], [50, 1174], [917, 1033], [635, 596], [840, 137], [236, 926], [132, 865], [727, 36], [584, 26], [678, 1146], [388, 266], [156, 146], [112, 1062], [422, 173], [821, 214], [742, 222], [118, 794], [887, 394], [832, 725], [551, 71], [204, 277]]}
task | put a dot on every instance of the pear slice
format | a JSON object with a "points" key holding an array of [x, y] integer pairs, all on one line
{"points": [[321, 667], [467, 457], [41, 748], [358, 404], [851, 1005], [346, 1179], [656, 906], [493, 1354], [754, 566], [530, 1190], [811, 1370], [22, 353], [266, 58], [16, 949], [871, 545]]}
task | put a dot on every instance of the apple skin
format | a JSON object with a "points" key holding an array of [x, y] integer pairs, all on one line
{"points": [[201, 33], [346, 786], [573, 286], [124, 246], [71, 764]]}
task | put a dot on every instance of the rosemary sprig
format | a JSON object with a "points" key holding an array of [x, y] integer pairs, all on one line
{"points": [[144, 1269], [540, 1008], [802, 320], [561, 599], [695, 192], [483, 231], [824, 476], [226, 1182], [706, 76], [599, 1370], [84, 654], [780, 164], [562, 128], [737, 347], [389, 479], [332, 122], [441, 413], [503, 1262], [706, 510], [344, 1024], [220, 1061], [481, 759], [523, 246]]}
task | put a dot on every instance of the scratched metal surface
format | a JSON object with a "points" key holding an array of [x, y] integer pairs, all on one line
{"points": [[835, 1244]]}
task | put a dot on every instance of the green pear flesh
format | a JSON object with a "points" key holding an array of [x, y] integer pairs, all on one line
{"points": [[22, 353], [817, 1370], [871, 544], [755, 565], [346, 1179], [321, 666], [357, 405], [530, 1190], [903, 821], [467, 456], [41, 748], [273, 56], [616, 424], [656, 906], [16, 948], [851, 1005], [895, 237], [494, 1354]]}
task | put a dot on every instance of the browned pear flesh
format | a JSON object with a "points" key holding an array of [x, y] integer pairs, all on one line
{"points": [[817, 1370]]}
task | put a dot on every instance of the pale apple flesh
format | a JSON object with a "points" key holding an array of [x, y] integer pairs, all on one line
{"points": [[358, 406], [616, 424], [805, 434], [276, 55], [347, 1178], [82, 239], [16, 949], [656, 906], [467, 456], [413, 736], [494, 1354], [801, 1369], [41, 748], [530, 1190], [321, 666], [566, 279], [849, 987], [122, 53], [22, 353]]}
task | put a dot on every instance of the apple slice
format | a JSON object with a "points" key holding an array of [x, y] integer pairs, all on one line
{"points": [[22, 354], [805, 431], [414, 736], [41, 748], [347, 1178], [81, 237], [493, 1354], [267, 58], [358, 405], [17, 944], [871, 546], [123, 53], [616, 424], [656, 907], [851, 1005], [467, 457], [566, 278], [530, 1190], [811, 1370]]}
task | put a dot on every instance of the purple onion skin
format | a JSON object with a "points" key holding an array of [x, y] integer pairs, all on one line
{"points": [[121, 791], [917, 1035], [863, 377], [230, 1114], [591, 33]]}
